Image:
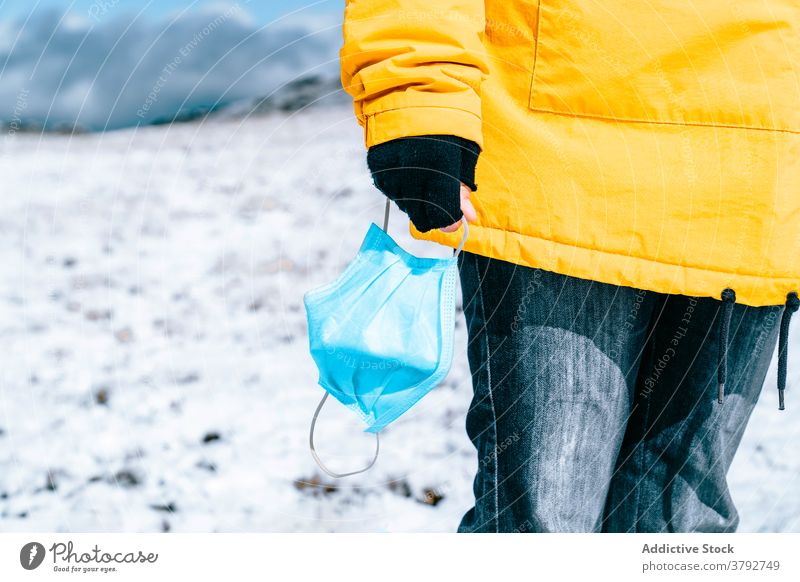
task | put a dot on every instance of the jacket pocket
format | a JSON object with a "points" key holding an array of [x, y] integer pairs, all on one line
{"points": [[717, 62]]}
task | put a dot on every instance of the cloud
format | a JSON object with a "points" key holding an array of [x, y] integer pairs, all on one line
{"points": [[60, 69]]}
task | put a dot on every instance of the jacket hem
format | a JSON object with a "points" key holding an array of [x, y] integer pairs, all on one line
{"points": [[618, 269]]}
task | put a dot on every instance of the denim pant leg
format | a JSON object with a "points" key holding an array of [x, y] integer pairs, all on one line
{"points": [[671, 473], [554, 361]]}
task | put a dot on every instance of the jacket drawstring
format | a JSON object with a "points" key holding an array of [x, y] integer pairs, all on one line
{"points": [[792, 303], [728, 299]]}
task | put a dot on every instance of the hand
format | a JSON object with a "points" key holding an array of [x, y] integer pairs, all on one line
{"points": [[426, 177], [466, 208]]}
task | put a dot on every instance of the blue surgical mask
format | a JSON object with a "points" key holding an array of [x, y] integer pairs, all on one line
{"points": [[381, 334]]}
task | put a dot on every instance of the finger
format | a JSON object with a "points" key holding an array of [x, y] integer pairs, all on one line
{"points": [[451, 228], [467, 208]]}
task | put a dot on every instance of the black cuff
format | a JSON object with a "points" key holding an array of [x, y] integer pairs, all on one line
{"points": [[469, 159]]}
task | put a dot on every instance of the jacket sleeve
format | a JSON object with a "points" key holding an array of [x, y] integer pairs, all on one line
{"points": [[415, 67]]}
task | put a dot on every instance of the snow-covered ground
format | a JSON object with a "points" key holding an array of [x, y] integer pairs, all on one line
{"points": [[154, 373]]}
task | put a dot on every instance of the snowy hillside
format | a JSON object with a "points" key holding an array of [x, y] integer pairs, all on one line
{"points": [[120, 66], [155, 374]]}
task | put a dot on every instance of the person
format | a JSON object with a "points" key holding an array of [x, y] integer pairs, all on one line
{"points": [[631, 171]]}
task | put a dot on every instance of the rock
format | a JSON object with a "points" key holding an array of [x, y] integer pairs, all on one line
{"points": [[208, 466], [189, 378], [99, 314], [51, 483], [168, 327], [124, 335], [315, 486], [126, 479], [399, 487], [211, 437], [101, 396], [431, 496]]}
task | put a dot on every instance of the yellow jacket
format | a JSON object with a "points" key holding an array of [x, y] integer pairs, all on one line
{"points": [[648, 144]]}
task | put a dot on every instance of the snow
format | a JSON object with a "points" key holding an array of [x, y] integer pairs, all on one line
{"points": [[155, 373]]}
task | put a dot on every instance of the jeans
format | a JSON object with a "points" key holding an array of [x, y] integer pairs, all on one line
{"points": [[595, 406]]}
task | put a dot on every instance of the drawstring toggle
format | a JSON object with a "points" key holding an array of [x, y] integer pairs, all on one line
{"points": [[728, 297], [792, 304]]}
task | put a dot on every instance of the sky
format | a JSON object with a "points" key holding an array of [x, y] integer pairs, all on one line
{"points": [[109, 64], [264, 11]]}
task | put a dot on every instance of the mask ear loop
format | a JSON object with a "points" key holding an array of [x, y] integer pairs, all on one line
{"points": [[316, 456], [386, 216], [325, 396], [463, 238]]}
